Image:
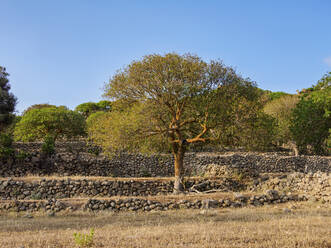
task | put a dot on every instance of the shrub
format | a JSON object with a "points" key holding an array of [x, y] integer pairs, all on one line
{"points": [[6, 150], [48, 147], [84, 240]]}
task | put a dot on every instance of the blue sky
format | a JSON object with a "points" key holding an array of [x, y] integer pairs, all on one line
{"points": [[62, 52]]}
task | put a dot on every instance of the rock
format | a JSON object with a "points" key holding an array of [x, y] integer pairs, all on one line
{"points": [[51, 214], [272, 194], [209, 203], [28, 216], [287, 210]]}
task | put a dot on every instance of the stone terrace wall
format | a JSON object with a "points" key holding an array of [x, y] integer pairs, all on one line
{"points": [[69, 188], [79, 162]]}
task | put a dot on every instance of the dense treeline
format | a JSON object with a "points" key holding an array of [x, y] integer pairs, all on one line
{"points": [[174, 103]]}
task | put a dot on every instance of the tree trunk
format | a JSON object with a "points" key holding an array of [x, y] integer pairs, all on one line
{"points": [[179, 173]]}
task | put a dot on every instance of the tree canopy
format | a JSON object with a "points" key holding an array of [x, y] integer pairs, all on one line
{"points": [[311, 121], [7, 100], [166, 102], [55, 122], [38, 106], [281, 109], [88, 108]]}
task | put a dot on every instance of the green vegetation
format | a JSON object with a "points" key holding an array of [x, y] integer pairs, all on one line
{"points": [[38, 106], [311, 122], [6, 149], [48, 147], [88, 108], [281, 109], [166, 103], [84, 240], [175, 103], [7, 100], [55, 122], [276, 95]]}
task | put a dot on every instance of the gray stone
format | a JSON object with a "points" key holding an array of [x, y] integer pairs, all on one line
{"points": [[209, 203]]}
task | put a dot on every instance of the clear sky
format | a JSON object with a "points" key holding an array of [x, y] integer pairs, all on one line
{"points": [[62, 52]]}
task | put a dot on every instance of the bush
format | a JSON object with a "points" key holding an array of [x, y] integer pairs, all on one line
{"points": [[84, 240], [21, 156], [6, 150], [48, 147]]}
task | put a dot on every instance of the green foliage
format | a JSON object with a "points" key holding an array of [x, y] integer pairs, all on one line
{"points": [[104, 105], [6, 149], [276, 95], [48, 147], [9, 129], [241, 121], [6, 140], [281, 109], [21, 156], [259, 133], [311, 121], [7, 100], [39, 106], [94, 150], [93, 118], [88, 108], [57, 122], [167, 102], [84, 240]]}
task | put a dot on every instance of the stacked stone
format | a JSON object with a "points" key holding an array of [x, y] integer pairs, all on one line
{"points": [[138, 204], [66, 163], [316, 185], [68, 188], [51, 205]]}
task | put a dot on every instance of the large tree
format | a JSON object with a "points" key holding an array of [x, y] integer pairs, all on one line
{"points": [[7, 100], [165, 103]]}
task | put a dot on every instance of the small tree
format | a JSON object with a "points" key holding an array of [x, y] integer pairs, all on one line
{"points": [[311, 121], [281, 109], [165, 102], [88, 108], [7, 100], [55, 122]]}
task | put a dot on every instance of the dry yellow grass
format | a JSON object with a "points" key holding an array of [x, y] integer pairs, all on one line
{"points": [[306, 226]]}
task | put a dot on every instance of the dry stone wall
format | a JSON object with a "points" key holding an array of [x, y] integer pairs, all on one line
{"points": [[68, 188], [139, 204], [126, 165]]}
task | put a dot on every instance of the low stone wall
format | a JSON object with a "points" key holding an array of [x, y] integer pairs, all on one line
{"points": [[68, 188], [126, 165], [316, 185], [138, 204]]}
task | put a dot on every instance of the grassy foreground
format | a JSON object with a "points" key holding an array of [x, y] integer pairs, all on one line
{"points": [[269, 226]]}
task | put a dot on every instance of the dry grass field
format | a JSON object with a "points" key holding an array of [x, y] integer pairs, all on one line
{"points": [[305, 226]]}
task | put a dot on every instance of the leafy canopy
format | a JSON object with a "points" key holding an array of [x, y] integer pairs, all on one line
{"points": [[88, 108], [38, 106], [281, 109], [57, 122], [311, 121], [7, 100], [164, 102]]}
